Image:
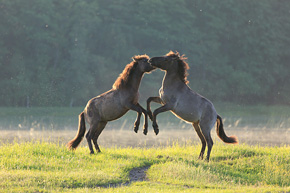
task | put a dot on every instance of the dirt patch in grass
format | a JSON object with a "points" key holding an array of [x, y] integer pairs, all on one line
{"points": [[138, 174], [135, 175]]}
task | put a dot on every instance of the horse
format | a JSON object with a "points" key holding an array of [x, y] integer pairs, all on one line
{"points": [[176, 96], [114, 103]]}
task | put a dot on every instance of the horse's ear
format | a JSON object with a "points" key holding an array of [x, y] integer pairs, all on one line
{"points": [[170, 53], [183, 57], [134, 59], [175, 55]]}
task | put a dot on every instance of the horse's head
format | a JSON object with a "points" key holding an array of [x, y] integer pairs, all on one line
{"points": [[167, 62], [143, 63], [172, 62]]}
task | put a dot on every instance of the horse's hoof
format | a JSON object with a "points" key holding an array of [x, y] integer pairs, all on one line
{"points": [[92, 152], [156, 131], [145, 129], [136, 130]]}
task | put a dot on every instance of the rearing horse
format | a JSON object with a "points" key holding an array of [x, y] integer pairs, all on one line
{"points": [[177, 97], [114, 103]]}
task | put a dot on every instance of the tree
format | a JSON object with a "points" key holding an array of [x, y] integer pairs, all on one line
{"points": [[62, 53]]}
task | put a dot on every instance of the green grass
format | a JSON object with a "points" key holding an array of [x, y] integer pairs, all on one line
{"points": [[49, 167]]}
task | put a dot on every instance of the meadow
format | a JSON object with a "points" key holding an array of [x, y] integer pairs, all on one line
{"points": [[33, 156], [49, 167]]}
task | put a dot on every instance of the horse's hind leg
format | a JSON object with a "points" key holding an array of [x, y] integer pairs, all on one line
{"points": [[209, 144], [99, 130], [200, 135], [89, 139], [205, 129], [91, 133]]}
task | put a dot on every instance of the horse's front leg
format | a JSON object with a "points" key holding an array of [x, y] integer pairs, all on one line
{"points": [[149, 100], [162, 109], [139, 110], [145, 127]]}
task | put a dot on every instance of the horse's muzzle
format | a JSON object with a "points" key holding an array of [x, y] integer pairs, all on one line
{"points": [[153, 62]]}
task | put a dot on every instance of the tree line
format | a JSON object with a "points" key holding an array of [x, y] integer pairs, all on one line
{"points": [[63, 52]]}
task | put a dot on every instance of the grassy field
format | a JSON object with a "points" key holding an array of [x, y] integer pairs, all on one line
{"points": [[33, 160], [50, 167]]}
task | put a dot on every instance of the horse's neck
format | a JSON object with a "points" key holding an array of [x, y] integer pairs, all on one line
{"points": [[170, 80], [135, 80]]}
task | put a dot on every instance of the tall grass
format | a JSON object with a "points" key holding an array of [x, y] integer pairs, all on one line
{"points": [[59, 118]]}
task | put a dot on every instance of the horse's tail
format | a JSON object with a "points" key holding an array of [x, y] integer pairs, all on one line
{"points": [[221, 133], [74, 143]]}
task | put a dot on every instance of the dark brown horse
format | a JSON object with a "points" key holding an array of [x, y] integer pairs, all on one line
{"points": [[177, 97], [114, 103]]}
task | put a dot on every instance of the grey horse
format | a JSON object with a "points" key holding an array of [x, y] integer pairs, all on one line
{"points": [[177, 97], [114, 103]]}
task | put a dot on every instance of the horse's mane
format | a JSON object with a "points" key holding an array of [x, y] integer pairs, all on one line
{"points": [[182, 66], [125, 77]]}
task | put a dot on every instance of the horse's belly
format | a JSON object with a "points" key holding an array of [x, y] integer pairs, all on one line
{"points": [[187, 115], [110, 107], [184, 117], [112, 111]]}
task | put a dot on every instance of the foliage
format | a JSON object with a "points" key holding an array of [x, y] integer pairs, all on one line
{"points": [[61, 53], [46, 167]]}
